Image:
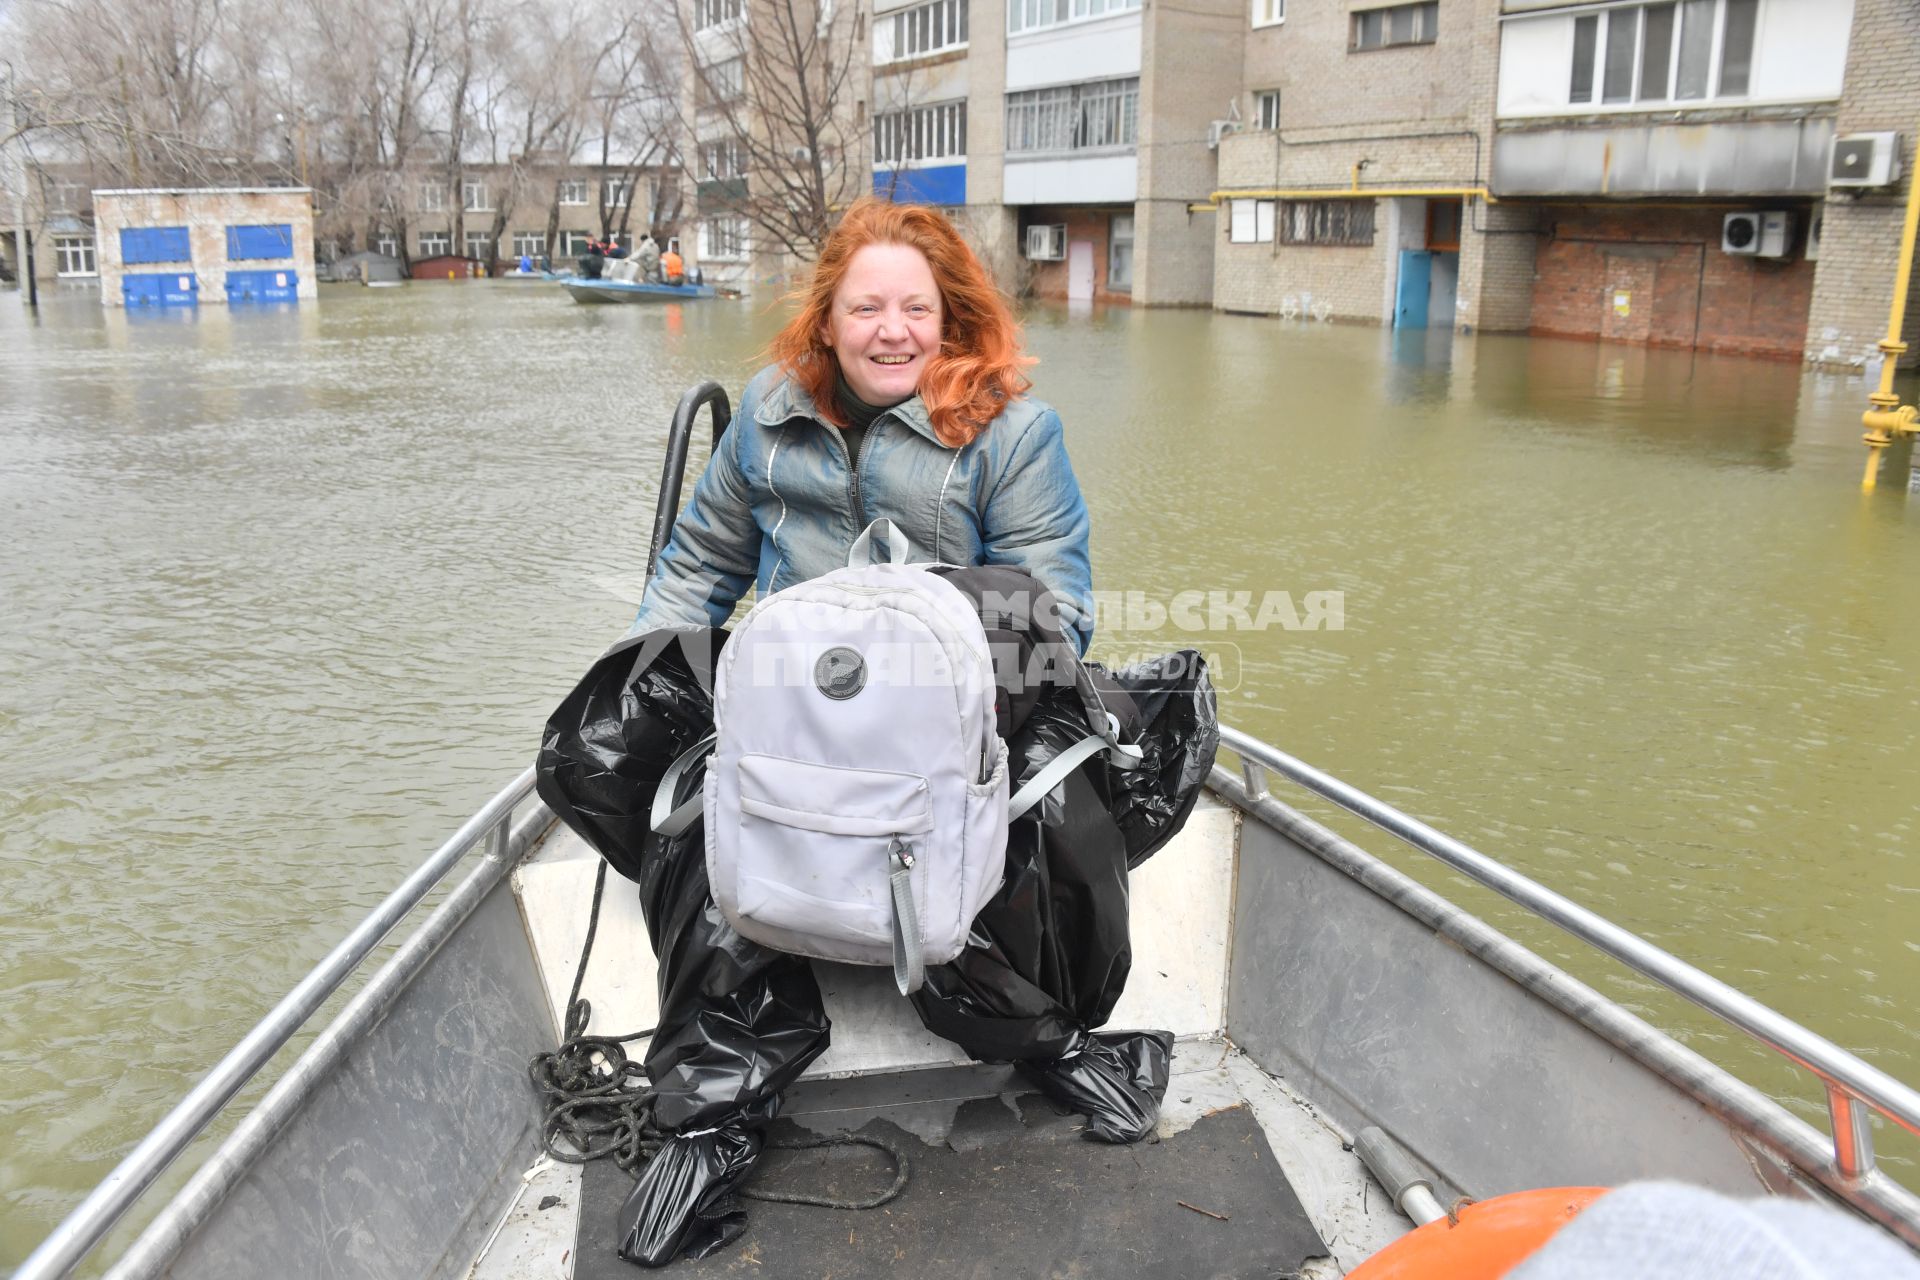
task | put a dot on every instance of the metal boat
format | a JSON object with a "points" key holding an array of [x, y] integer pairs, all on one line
{"points": [[621, 284], [1316, 992]]}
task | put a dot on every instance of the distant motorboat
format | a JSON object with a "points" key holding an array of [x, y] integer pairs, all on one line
{"points": [[622, 283]]}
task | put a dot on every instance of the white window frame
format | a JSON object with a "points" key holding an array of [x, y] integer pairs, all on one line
{"points": [[1038, 15], [529, 244], [573, 191], [1097, 115], [479, 245], [387, 244], [935, 132], [1426, 26], [1269, 13], [574, 243], [433, 197], [919, 32], [708, 14], [1250, 222], [616, 192], [722, 159], [1266, 109], [74, 257], [474, 196], [436, 244], [725, 239], [722, 81], [1605, 20]]}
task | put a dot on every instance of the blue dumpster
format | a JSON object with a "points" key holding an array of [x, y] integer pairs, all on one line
{"points": [[161, 289], [263, 286]]}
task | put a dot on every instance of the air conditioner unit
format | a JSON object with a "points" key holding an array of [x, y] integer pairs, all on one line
{"points": [[1757, 235], [1865, 160], [1219, 129], [1047, 243]]}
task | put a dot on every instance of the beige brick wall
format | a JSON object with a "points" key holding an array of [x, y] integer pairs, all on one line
{"points": [[1420, 117], [206, 215], [1860, 240], [1183, 49]]}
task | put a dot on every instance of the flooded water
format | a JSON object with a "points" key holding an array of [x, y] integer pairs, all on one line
{"points": [[288, 594]]}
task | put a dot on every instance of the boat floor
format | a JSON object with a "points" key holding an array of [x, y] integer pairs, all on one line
{"points": [[1001, 1183]]}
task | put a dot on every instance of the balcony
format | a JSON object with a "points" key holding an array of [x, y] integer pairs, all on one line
{"points": [[1630, 159], [718, 195]]}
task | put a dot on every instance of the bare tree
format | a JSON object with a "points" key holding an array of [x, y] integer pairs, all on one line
{"points": [[778, 85]]}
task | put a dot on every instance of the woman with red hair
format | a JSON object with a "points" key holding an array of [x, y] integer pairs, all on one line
{"points": [[896, 391]]}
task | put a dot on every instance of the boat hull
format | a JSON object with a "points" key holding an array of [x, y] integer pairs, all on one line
{"points": [[601, 292]]}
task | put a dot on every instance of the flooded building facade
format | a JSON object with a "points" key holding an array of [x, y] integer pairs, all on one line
{"points": [[187, 246]]}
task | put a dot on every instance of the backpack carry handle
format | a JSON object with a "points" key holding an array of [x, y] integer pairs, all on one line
{"points": [[898, 549]]}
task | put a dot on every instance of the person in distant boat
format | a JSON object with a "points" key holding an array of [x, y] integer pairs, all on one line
{"points": [[673, 270], [613, 248], [647, 253], [594, 260], [897, 390]]}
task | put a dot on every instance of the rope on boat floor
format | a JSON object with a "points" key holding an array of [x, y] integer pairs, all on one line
{"points": [[598, 1102]]}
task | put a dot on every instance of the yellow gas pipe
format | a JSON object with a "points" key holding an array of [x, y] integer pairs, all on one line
{"points": [[1888, 417]]}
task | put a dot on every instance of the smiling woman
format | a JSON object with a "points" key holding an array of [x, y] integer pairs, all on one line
{"points": [[895, 391]]}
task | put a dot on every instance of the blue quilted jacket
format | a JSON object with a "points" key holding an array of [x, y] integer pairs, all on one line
{"points": [[778, 504]]}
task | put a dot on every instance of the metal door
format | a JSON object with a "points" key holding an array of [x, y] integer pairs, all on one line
{"points": [[1410, 299], [1080, 271]]}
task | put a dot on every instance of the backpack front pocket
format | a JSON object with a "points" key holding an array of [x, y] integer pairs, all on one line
{"points": [[815, 845]]}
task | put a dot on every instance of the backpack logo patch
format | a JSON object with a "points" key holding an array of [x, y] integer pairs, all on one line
{"points": [[840, 673]]}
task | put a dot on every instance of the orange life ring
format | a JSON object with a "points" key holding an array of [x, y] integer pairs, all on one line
{"points": [[1490, 1238]]}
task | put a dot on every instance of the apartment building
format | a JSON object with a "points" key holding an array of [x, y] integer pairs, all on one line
{"points": [[1726, 175]]}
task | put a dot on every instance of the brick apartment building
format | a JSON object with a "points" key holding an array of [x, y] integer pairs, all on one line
{"points": [[1655, 173]]}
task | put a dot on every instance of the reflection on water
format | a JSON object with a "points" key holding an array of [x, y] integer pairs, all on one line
{"points": [[288, 592]]}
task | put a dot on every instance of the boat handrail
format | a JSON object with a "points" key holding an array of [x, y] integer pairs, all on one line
{"points": [[1849, 1080], [96, 1215]]}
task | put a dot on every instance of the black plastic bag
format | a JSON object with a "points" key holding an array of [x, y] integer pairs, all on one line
{"points": [[683, 1201], [738, 1021], [1050, 953]]}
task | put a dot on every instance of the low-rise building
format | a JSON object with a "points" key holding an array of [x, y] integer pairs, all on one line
{"points": [[187, 246]]}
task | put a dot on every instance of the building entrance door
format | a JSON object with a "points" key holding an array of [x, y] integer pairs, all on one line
{"points": [[1410, 300], [1080, 271]]}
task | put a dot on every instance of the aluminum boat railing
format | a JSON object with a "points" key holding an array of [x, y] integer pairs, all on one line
{"points": [[1854, 1087]]}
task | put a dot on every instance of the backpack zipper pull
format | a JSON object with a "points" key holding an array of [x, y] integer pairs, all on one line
{"points": [[909, 961], [899, 854]]}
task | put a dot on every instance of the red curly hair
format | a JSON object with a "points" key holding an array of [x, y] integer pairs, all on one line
{"points": [[978, 368]]}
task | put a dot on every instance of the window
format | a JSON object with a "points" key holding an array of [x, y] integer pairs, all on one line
{"points": [[919, 31], [74, 255], [529, 244], [1035, 15], [474, 197], [573, 191], [479, 244], [1399, 24], [1667, 52], [1266, 108], [574, 243], [1343, 222], [1250, 222], [723, 240], [711, 13], [433, 197], [1120, 251], [435, 243], [616, 192], [922, 133], [722, 82], [724, 159], [387, 244], [1267, 13], [1074, 117]]}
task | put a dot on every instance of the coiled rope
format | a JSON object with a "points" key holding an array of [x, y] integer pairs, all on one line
{"points": [[598, 1103]]}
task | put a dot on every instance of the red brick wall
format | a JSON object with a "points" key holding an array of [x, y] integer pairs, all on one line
{"points": [[1050, 278], [1683, 291]]}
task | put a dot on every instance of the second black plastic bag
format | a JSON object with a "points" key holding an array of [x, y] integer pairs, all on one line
{"points": [[738, 1022], [1050, 954]]}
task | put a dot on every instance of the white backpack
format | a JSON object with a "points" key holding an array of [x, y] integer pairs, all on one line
{"points": [[856, 800]]}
